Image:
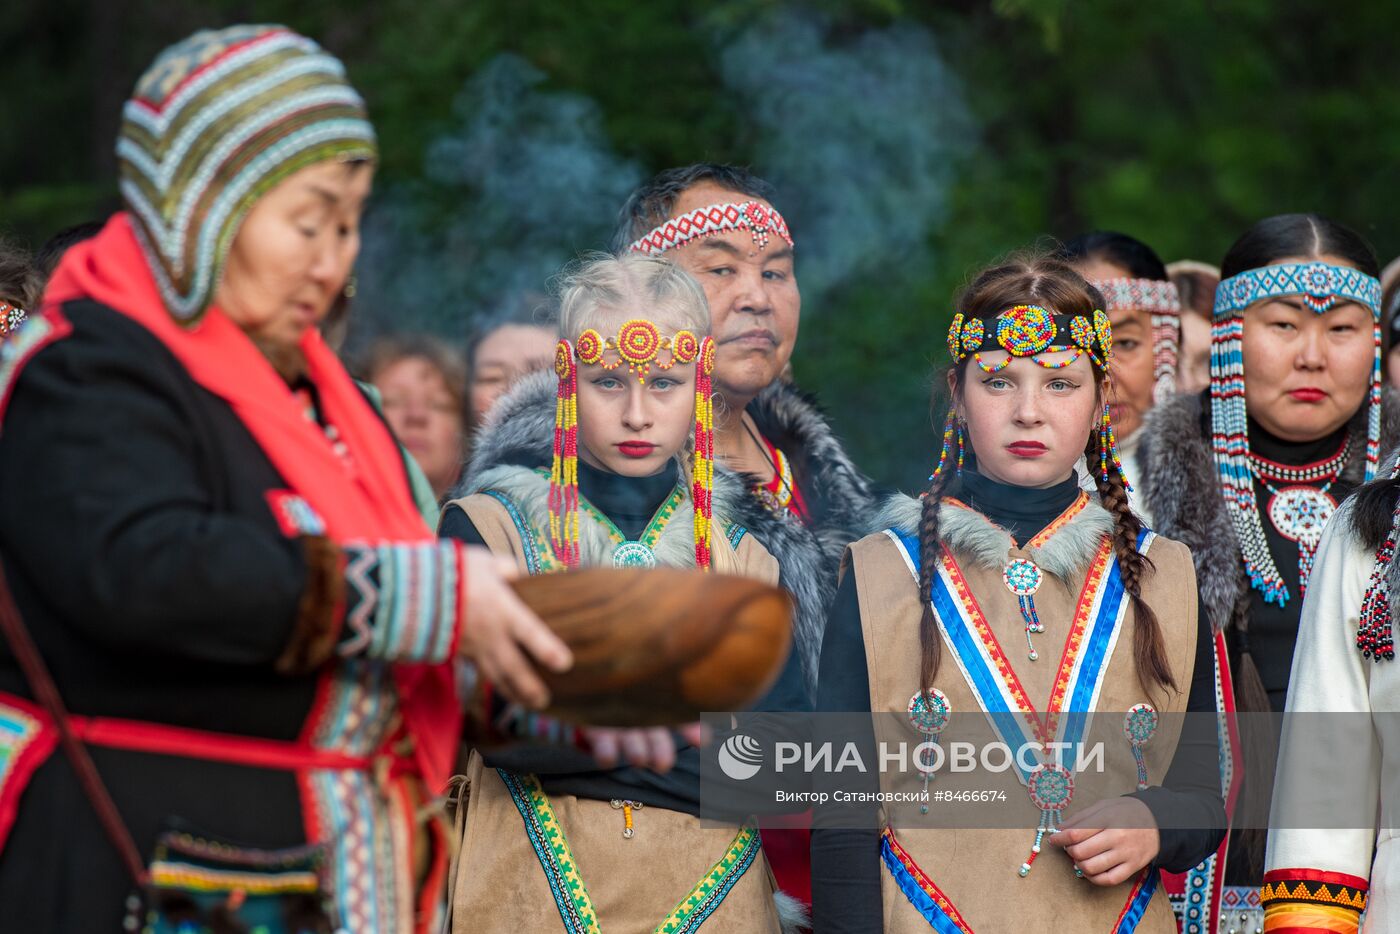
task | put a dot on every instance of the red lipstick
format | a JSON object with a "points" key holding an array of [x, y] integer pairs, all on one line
{"points": [[1026, 448], [1307, 394], [636, 448]]}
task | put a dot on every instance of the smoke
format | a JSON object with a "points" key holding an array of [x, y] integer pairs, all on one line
{"points": [[522, 184], [861, 138]]}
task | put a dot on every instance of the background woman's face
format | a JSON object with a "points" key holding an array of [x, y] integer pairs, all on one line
{"points": [[425, 416], [1028, 425], [1130, 396]]}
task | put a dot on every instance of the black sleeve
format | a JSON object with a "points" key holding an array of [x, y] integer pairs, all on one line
{"points": [[845, 862], [455, 523], [108, 506], [1187, 806]]}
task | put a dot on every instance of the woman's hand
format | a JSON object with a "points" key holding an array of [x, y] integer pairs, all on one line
{"points": [[647, 747], [1110, 841], [499, 631]]}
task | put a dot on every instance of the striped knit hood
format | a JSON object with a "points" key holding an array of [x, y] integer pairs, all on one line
{"points": [[216, 122]]}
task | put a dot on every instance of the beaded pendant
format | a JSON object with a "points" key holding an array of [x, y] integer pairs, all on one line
{"points": [[1051, 787], [929, 713], [1139, 725], [1023, 578], [633, 555]]}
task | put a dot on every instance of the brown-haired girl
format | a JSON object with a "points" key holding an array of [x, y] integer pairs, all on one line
{"points": [[958, 607]]}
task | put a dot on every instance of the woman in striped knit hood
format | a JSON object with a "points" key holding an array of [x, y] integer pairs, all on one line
{"points": [[247, 619]]}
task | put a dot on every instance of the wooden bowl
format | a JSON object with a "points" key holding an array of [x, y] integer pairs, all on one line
{"points": [[657, 647]]}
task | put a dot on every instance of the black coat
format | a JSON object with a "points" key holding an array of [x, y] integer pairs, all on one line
{"points": [[149, 568]]}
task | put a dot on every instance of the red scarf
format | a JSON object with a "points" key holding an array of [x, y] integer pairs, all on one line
{"points": [[367, 499]]}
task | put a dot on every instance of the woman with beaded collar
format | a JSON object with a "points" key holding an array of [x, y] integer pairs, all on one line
{"points": [[1006, 547], [1247, 473], [610, 461]]}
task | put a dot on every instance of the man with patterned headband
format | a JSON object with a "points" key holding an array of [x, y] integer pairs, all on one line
{"points": [[718, 222], [1143, 308]]}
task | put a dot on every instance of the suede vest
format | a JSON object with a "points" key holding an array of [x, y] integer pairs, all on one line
{"points": [[675, 871], [977, 869], [501, 527]]}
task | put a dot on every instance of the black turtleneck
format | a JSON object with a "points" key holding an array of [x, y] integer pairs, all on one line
{"points": [[846, 863], [1022, 511], [630, 502]]}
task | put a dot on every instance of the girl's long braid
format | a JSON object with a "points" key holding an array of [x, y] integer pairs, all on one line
{"points": [[1149, 648], [930, 550]]}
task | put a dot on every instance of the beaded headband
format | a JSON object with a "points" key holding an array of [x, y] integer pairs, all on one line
{"points": [[11, 317], [1322, 286], [637, 344], [1161, 301], [1031, 331], [759, 219]]}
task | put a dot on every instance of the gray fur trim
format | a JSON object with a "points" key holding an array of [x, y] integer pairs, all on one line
{"points": [[842, 499], [1066, 555], [1181, 490], [792, 914], [530, 492], [520, 437]]}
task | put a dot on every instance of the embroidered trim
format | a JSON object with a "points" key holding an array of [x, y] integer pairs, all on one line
{"points": [[1062, 520], [552, 849], [736, 535], [294, 515], [402, 601], [1315, 886], [20, 348], [926, 897], [537, 559], [26, 739], [571, 894]]}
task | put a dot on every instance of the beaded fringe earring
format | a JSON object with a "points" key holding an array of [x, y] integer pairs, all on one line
{"points": [[1108, 445], [952, 452], [563, 473], [703, 475]]}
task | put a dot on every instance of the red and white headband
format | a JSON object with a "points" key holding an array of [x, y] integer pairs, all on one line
{"points": [[1151, 295], [1160, 300], [759, 219]]}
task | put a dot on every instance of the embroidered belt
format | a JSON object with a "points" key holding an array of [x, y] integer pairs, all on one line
{"points": [[571, 895], [28, 737], [938, 910]]}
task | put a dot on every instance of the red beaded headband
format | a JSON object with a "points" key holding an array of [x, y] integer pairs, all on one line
{"points": [[637, 344], [759, 219]]}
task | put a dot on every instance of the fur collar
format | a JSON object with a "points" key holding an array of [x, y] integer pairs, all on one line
{"points": [[519, 436], [1181, 490], [1066, 555], [839, 496]]}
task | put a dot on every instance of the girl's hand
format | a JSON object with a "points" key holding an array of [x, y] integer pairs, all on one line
{"points": [[1110, 841]]}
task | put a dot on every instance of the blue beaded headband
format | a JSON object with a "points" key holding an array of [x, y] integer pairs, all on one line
{"points": [[1321, 286]]}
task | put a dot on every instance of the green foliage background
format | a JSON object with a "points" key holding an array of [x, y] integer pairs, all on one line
{"points": [[1178, 122]]}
